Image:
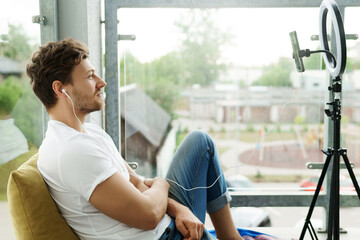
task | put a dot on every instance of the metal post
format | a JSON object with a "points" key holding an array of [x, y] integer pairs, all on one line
{"points": [[112, 118], [48, 32], [329, 129]]}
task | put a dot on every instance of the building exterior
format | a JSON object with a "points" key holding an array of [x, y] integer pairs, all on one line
{"points": [[259, 104], [144, 126], [9, 67]]}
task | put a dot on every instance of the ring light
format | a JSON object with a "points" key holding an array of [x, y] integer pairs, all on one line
{"points": [[335, 68]]}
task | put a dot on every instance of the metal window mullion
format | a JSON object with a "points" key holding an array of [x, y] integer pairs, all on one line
{"points": [[112, 118], [49, 32], [112, 66]]}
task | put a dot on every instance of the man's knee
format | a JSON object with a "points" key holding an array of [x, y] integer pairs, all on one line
{"points": [[198, 135]]}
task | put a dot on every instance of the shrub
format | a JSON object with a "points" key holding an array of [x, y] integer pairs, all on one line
{"points": [[250, 128], [10, 92], [27, 115]]}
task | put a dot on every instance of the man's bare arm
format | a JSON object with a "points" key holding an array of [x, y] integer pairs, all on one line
{"points": [[120, 199], [186, 222], [135, 179]]}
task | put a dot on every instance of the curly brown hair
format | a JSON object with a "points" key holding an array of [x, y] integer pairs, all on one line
{"points": [[54, 61]]}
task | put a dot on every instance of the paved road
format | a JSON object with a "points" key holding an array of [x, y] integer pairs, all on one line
{"points": [[230, 158]]}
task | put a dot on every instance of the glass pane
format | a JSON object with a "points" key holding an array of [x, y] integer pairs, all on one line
{"points": [[350, 110], [21, 127], [350, 137], [230, 73]]}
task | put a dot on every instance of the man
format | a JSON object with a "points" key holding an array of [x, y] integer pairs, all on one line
{"points": [[97, 193]]}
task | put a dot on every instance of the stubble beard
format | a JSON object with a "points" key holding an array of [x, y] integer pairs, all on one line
{"points": [[88, 104]]}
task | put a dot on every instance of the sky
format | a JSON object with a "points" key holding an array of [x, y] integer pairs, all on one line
{"points": [[261, 42], [261, 35], [20, 12]]}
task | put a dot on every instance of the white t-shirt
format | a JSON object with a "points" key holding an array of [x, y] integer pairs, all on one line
{"points": [[73, 164]]}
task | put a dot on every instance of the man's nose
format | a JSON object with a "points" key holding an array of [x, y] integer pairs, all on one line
{"points": [[101, 83]]}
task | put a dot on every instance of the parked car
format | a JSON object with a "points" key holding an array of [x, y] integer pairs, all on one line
{"points": [[246, 216], [310, 183], [239, 183]]}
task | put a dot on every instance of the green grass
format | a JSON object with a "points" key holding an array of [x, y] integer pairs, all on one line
{"points": [[179, 138], [275, 178], [7, 168], [222, 150], [249, 136]]}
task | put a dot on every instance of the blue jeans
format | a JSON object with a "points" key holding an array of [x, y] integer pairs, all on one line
{"points": [[196, 164]]}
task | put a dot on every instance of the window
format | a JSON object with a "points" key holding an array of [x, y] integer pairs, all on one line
{"points": [[21, 113], [267, 120]]}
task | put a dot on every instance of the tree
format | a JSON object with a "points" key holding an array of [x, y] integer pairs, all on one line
{"points": [[131, 70], [159, 79], [27, 111], [313, 62], [352, 64], [10, 92], [27, 115], [201, 47], [276, 74], [170, 66], [196, 61], [17, 46]]}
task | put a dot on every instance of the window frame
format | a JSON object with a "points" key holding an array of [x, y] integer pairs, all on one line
{"points": [[112, 125]]}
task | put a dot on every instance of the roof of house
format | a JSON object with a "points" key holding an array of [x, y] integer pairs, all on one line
{"points": [[8, 66], [143, 115]]}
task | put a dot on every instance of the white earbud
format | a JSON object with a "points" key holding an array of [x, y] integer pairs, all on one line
{"points": [[64, 91]]}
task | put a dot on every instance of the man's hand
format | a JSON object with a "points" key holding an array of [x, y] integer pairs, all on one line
{"points": [[186, 222], [189, 225], [149, 182]]}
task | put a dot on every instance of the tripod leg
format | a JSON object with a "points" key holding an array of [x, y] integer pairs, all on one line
{"points": [[351, 173], [316, 194], [312, 232], [331, 214], [333, 223]]}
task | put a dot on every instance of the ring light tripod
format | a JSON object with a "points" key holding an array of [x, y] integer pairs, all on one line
{"points": [[335, 66]]}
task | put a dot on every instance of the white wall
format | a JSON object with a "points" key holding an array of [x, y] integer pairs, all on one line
{"points": [[165, 155]]}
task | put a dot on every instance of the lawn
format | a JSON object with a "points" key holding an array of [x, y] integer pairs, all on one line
{"points": [[275, 178], [252, 136], [245, 136]]}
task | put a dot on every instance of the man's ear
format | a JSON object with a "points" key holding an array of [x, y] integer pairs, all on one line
{"points": [[57, 87]]}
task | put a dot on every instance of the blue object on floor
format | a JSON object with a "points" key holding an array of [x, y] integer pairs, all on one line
{"points": [[244, 232]]}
